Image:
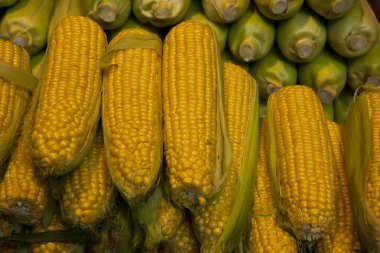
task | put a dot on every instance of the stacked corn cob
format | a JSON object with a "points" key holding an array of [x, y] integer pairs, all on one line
{"points": [[179, 130]]}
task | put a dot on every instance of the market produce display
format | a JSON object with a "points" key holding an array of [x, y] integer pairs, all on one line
{"points": [[183, 126]]}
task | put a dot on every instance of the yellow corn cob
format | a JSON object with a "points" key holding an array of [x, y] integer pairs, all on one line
{"points": [[362, 161], [264, 235], [214, 221], [343, 237], [13, 97], [132, 116], [54, 247], [23, 194], [194, 128], [183, 241], [88, 192], [300, 162], [68, 106]]}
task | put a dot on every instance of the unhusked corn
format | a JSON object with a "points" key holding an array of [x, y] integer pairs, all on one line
{"points": [[68, 106]]}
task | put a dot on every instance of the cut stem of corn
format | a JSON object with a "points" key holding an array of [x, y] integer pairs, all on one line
{"points": [[160, 13], [326, 74], [252, 36], [362, 161], [68, 106], [301, 163], [279, 9], [355, 33], [302, 37], [273, 72], [132, 114], [26, 24], [197, 150]]}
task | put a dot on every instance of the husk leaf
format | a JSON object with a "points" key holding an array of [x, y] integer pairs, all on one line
{"points": [[342, 105], [252, 36], [326, 74], [355, 33], [273, 72]]}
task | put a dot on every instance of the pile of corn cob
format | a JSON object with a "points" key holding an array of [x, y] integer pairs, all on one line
{"points": [[189, 126]]}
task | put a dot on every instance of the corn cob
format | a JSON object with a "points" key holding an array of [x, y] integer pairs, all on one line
{"points": [[343, 237], [160, 13], [354, 34], [264, 235], [158, 217], [132, 22], [55, 247], [13, 98], [331, 9], [184, 240], [109, 14], [300, 162], [342, 106], [5, 3], [225, 11], [68, 106], [365, 68], [132, 114], [326, 74], [273, 72], [197, 151], [63, 9], [23, 195], [25, 24], [252, 36], [279, 9], [362, 161], [88, 193], [196, 13], [302, 37], [216, 224]]}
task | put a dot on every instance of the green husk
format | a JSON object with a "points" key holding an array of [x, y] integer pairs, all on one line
{"points": [[228, 57], [151, 217], [326, 74], [302, 37], [36, 62], [354, 34], [6, 3], [262, 108], [26, 24], [225, 11], [364, 69], [358, 145], [196, 13], [132, 22], [160, 13], [342, 105], [279, 9], [63, 9], [252, 36], [329, 111], [273, 72], [109, 14], [331, 9]]}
